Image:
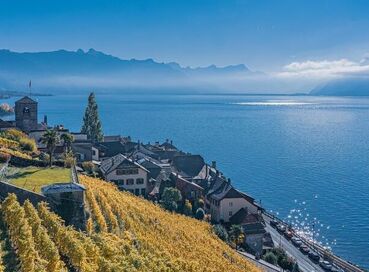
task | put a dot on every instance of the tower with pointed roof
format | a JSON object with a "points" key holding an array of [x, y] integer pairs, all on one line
{"points": [[26, 114]]}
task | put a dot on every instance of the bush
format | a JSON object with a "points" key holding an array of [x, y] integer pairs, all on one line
{"points": [[27, 144], [8, 143], [88, 166], [44, 157], [13, 134], [69, 159], [187, 208], [170, 198], [200, 214], [15, 153], [221, 232], [270, 258]]}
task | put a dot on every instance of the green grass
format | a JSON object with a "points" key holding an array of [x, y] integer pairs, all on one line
{"points": [[33, 178]]}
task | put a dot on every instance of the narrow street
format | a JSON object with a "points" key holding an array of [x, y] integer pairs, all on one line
{"points": [[305, 264]]}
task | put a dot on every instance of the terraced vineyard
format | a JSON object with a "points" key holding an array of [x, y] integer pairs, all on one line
{"points": [[124, 233]]}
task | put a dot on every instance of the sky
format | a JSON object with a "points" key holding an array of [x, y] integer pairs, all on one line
{"points": [[281, 37]]}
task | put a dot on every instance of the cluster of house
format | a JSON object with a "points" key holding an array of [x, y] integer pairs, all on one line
{"points": [[146, 169]]}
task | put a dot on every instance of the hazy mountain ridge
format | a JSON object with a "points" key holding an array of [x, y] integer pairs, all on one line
{"points": [[351, 86], [80, 69]]}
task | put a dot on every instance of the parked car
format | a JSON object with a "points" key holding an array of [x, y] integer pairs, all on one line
{"points": [[314, 256], [326, 265], [281, 228], [296, 241], [304, 249], [288, 234], [273, 223], [335, 269]]}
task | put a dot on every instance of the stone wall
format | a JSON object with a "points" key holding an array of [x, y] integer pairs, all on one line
{"points": [[22, 194]]}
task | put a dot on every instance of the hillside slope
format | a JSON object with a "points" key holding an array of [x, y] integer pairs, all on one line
{"points": [[124, 233], [174, 242]]}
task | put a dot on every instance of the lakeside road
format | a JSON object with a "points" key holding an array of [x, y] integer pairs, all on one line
{"points": [[305, 264]]}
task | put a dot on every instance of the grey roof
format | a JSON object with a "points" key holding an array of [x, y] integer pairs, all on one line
{"points": [[251, 223], [113, 148], [228, 191], [6, 124], [57, 188], [188, 165], [26, 100], [112, 163]]}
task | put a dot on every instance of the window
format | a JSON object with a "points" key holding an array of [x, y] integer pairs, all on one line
{"points": [[230, 204], [119, 182], [93, 152], [143, 191], [127, 171], [137, 191], [230, 213], [140, 181], [130, 181]]}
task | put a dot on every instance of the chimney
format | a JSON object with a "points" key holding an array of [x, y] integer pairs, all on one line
{"points": [[229, 180], [138, 145], [45, 119], [214, 164], [167, 140], [171, 142]]}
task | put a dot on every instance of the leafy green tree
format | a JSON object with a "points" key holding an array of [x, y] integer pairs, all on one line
{"points": [[67, 139], [236, 234], [200, 214], [187, 208], [270, 258], [91, 121], [170, 198], [50, 138], [221, 232]]}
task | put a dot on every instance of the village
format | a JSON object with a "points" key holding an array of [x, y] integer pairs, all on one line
{"points": [[159, 171]]}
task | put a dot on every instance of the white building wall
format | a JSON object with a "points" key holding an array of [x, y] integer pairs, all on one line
{"points": [[113, 176], [95, 154], [229, 206]]}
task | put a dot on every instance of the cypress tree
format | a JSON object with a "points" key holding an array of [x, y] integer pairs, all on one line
{"points": [[91, 122]]}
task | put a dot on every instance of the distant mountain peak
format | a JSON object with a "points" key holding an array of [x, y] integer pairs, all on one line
{"points": [[87, 68]]}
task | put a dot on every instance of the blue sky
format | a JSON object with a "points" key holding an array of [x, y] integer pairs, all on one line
{"points": [[264, 35]]}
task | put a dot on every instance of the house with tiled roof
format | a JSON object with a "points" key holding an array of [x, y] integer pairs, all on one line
{"points": [[223, 201], [188, 166], [126, 174], [253, 227], [189, 190]]}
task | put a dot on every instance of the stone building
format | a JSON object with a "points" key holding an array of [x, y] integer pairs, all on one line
{"points": [[26, 114]]}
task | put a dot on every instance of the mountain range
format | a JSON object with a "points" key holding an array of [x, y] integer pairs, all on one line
{"points": [[70, 70]]}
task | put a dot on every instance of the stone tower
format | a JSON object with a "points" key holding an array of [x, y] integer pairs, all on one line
{"points": [[26, 114]]}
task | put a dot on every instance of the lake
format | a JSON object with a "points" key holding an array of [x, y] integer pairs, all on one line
{"points": [[303, 157]]}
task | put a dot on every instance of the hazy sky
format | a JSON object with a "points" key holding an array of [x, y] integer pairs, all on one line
{"points": [[264, 35]]}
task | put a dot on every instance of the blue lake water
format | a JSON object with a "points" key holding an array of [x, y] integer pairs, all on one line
{"points": [[305, 154]]}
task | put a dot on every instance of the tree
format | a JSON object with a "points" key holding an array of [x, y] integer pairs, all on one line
{"points": [[270, 258], [50, 138], [187, 208], [170, 198], [91, 122], [236, 234], [69, 159], [67, 139], [221, 232], [200, 214]]}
